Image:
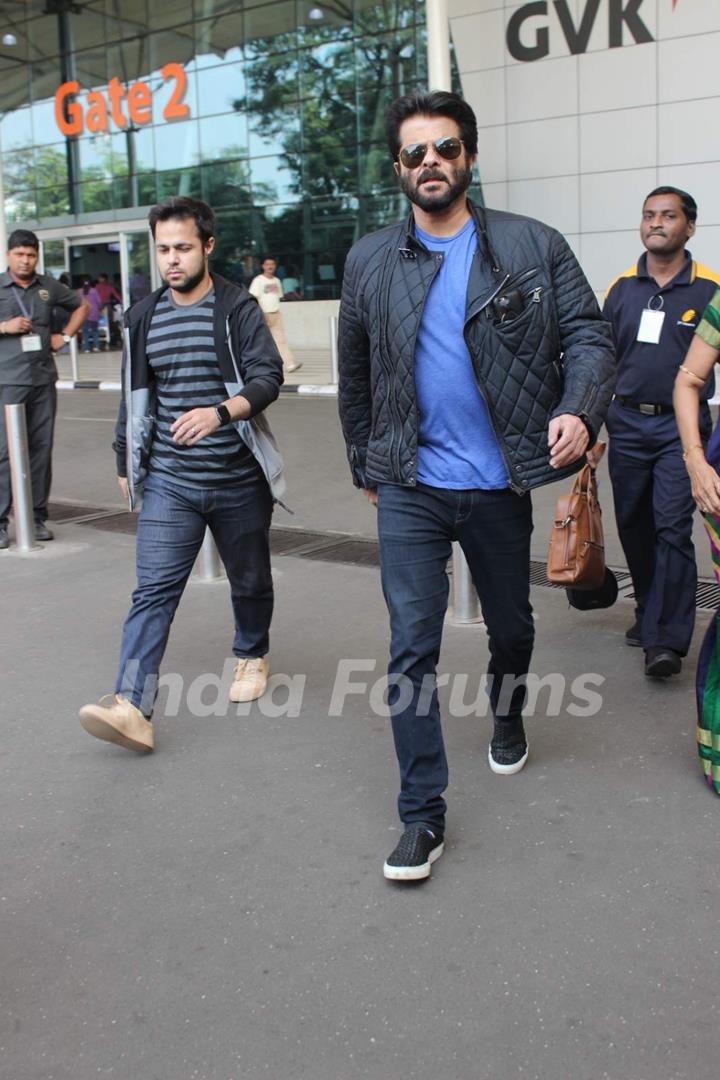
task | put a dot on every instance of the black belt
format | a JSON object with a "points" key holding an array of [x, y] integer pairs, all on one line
{"points": [[644, 407]]}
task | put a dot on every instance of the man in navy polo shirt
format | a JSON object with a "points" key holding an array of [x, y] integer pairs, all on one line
{"points": [[654, 308]]}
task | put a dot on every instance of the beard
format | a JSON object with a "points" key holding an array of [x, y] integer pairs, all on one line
{"points": [[190, 281], [455, 185]]}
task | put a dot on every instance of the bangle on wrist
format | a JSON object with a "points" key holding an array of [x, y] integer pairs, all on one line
{"points": [[695, 446]]}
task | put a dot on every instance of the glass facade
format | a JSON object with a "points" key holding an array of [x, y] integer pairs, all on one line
{"points": [[272, 112]]}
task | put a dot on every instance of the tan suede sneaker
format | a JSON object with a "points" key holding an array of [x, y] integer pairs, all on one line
{"points": [[251, 676], [119, 723]]}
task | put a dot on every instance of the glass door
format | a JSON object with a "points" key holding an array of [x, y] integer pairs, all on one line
{"points": [[137, 265], [54, 260]]}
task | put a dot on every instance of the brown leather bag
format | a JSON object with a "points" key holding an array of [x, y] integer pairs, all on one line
{"points": [[576, 555]]}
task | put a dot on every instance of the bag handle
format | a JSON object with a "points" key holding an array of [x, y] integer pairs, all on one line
{"points": [[585, 483]]}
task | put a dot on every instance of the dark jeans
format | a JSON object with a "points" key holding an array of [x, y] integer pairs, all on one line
{"points": [[91, 330], [416, 527], [654, 509], [40, 408], [170, 534]]}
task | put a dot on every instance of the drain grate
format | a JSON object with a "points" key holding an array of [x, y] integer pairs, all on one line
{"points": [[117, 522], [538, 576], [64, 512], [342, 548], [298, 541], [707, 595], [352, 552]]}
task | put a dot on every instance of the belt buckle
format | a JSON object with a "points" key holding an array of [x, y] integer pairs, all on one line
{"points": [[646, 410]]}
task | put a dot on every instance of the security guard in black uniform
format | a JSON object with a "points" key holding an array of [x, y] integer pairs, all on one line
{"points": [[27, 366], [654, 308]]}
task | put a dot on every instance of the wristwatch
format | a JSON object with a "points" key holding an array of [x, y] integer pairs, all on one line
{"points": [[66, 338], [223, 415]]}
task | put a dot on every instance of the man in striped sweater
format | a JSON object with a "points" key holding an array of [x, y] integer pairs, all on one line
{"points": [[199, 367]]}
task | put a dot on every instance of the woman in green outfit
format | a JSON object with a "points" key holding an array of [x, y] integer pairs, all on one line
{"points": [[703, 466]]}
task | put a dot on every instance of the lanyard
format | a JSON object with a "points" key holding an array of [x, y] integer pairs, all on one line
{"points": [[21, 302]]}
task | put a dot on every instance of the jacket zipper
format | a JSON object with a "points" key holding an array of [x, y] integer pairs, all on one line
{"points": [[384, 352], [517, 488], [437, 263], [509, 281], [129, 437], [518, 279], [395, 457], [228, 339]]}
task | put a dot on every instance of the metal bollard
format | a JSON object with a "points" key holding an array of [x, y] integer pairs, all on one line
{"points": [[74, 359], [334, 348], [20, 477], [209, 564], [465, 604]]}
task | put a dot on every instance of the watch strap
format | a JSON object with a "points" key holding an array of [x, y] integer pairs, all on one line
{"points": [[223, 414]]}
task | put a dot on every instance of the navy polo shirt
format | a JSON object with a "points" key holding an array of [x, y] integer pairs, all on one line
{"points": [[646, 373], [39, 298]]}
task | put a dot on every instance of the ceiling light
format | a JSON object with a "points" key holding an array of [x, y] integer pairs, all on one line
{"points": [[316, 13], [9, 39]]}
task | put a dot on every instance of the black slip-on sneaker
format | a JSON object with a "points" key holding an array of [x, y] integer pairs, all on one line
{"points": [[417, 850]]}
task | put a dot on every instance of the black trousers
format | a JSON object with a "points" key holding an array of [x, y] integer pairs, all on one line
{"points": [[40, 408], [654, 509]]}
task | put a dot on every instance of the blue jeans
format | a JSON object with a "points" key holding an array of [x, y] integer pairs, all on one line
{"points": [[415, 528], [170, 533], [92, 335]]}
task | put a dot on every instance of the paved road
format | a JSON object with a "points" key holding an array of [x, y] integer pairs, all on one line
{"points": [[217, 911]]}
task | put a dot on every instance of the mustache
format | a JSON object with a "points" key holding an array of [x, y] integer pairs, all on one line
{"points": [[431, 174]]}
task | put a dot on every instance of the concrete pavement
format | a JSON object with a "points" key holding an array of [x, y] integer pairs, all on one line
{"points": [[217, 911]]}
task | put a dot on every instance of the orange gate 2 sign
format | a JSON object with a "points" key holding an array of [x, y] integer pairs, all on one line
{"points": [[72, 117]]}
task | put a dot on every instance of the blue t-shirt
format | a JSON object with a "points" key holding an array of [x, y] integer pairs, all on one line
{"points": [[456, 444]]}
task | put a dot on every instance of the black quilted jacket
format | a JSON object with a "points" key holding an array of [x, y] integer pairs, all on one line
{"points": [[555, 357]]}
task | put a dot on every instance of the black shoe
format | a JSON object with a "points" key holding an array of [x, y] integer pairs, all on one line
{"points": [[42, 532], [633, 636], [417, 849], [4, 539], [660, 662], [507, 760], [508, 750]]}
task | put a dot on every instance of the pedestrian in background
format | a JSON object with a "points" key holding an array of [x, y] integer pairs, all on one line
{"points": [[109, 297], [91, 329], [268, 291], [27, 367]]}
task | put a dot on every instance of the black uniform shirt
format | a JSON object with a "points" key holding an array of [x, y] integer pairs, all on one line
{"points": [[40, 297], [646, 372]]}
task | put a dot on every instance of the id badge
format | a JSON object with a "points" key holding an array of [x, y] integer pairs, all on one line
{"points": [[651, 326], [31, 342]]}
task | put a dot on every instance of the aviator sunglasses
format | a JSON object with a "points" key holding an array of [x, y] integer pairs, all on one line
{"points": [[413, 154]]}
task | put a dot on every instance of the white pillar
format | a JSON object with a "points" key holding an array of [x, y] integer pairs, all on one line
{"points": [[438, 44], [3, 228]]}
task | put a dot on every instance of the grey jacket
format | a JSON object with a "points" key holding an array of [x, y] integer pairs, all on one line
{"points": [[556, 356]]}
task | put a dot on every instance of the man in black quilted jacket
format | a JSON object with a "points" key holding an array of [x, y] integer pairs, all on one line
{"points": [[475, 365]]}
